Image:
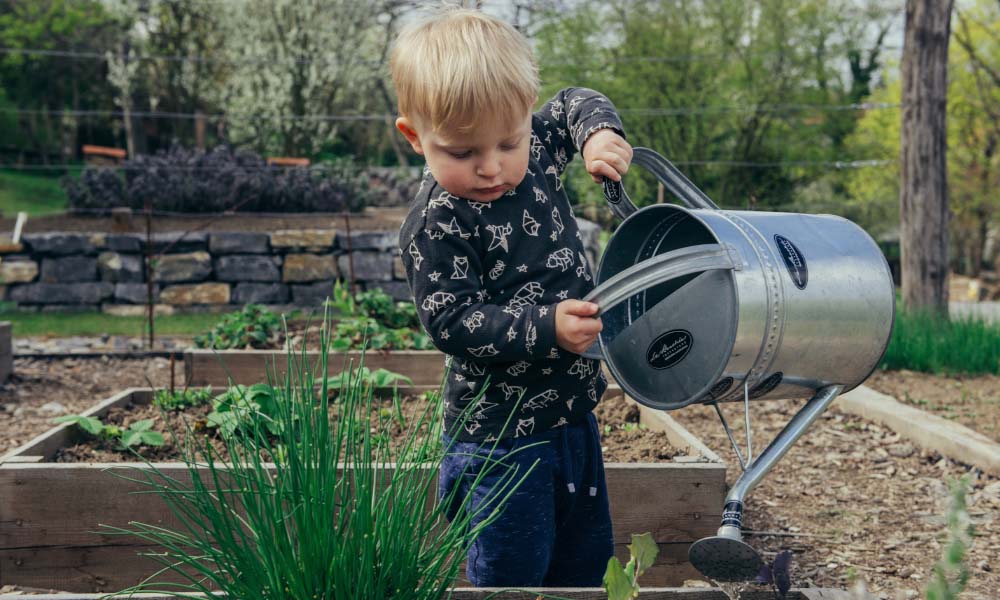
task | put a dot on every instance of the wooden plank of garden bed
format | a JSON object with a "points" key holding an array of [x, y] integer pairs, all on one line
{"points": [[646, 593], [925, 429], [677, 502], [109, 568], [217, 367]]}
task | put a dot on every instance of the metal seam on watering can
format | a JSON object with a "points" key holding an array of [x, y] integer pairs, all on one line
{"points": [[775, 306]]}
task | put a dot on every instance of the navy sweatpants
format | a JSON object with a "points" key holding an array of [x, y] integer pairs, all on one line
{"points": [[555, 530]]}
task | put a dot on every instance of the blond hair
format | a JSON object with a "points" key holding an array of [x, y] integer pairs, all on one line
{"points": [[458, 65]]}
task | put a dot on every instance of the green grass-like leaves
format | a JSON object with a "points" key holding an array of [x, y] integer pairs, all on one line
{"points": [[930, 343], [314, 508]]}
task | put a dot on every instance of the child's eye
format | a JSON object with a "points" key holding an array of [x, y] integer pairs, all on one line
{"points": [[509, 147], [460, 155]]}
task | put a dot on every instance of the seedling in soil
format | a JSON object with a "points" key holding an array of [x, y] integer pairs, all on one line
{"points": [[253, 327], [181, 399], [240, 406], [138, 433], [621, 583], [777, 574], [951, 574], [379, 378], [375, 321]]}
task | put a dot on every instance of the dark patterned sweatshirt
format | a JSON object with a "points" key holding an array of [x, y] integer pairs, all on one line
{"points": [[486, 278]]}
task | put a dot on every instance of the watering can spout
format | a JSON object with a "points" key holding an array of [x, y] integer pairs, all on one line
{"points": [[725, 556]]}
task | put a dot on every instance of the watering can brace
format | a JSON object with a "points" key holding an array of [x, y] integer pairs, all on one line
{"points": [[701, 305]]}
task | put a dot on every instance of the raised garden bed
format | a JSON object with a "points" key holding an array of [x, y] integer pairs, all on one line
{"points": [[533, 594], [973, 401], [49, 523]]}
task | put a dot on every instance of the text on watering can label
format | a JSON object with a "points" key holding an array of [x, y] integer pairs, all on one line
{"points": [[794, 261], [669, 349]]}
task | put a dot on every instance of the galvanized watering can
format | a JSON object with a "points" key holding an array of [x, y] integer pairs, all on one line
{"points": [[702, 305]]}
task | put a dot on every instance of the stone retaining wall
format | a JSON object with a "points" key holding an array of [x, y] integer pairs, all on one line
{"points": [[62, 271]]}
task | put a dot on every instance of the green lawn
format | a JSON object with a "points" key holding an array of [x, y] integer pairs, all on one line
{"points": [[32, 193], [95, 324]]}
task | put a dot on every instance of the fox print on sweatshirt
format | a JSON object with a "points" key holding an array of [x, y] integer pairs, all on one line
{"points": [[486, 278]]}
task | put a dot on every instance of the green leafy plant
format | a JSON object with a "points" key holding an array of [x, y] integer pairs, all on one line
{"points": [[136, 434], [366, 379], [374, 304], [621, 583], [243, 408], [336, 516], [365, 332], [951, 574], [375, 321], [181, 399], [252, 327]]}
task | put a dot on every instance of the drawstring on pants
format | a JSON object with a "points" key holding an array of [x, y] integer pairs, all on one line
{"points": [[593, 439]]}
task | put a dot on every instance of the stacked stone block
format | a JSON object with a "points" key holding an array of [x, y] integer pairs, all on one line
{"points": [[200, 271]]}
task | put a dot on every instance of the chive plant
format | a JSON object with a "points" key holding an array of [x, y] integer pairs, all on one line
{"points": [[324, 509]]}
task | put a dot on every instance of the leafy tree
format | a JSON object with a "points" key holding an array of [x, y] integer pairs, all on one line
{"points": [[42, 84], [713, 77], [304, 57], [973, 134], [183, 68]]}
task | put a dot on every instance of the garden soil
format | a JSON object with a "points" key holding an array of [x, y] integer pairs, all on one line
{"points": [[971, 401], [624, 440], [852, 500]]}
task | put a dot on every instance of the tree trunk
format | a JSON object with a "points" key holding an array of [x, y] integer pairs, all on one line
{"points": [[923, 189]]}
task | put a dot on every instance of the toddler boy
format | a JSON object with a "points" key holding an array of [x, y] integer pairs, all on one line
{"points": [[496, 265]]}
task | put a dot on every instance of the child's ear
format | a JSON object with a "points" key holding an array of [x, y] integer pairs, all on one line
{"points": [[409, 131]]}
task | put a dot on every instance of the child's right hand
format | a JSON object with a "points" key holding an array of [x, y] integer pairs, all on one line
{"points": [[576, 327]]}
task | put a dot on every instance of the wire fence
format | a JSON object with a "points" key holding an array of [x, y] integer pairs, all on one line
{"points": [[214, 58], [830, 164], [636, 112]]}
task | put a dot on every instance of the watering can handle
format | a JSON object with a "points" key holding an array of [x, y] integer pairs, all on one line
{"points": [[667, 174], [661, 268]]}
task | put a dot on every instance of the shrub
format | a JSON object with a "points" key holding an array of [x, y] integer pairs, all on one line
{"points": [[195, 181], [931, 343]]}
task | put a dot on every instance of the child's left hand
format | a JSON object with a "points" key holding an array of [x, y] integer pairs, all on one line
{"points": [[606, 154]]}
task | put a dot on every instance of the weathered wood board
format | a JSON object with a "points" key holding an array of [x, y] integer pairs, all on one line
{"points": [[218, 367]]}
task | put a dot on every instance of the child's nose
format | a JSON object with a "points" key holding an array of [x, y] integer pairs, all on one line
{"points": [[489, 167]]}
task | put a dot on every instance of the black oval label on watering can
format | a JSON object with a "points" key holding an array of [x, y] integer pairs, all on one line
{"points": [[794, 261], [767, 385], [720, 388], [669, 349]]}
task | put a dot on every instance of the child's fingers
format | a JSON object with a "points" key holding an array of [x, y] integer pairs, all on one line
{"points": [[609, 164], [580, 308], [598, 168], [589, 327]]}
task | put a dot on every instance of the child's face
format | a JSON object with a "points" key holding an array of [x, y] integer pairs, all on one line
{"points": [[480, 165]]}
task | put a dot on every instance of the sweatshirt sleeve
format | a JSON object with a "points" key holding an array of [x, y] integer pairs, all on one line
{"points": [[566, 121], [445, 275]]}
